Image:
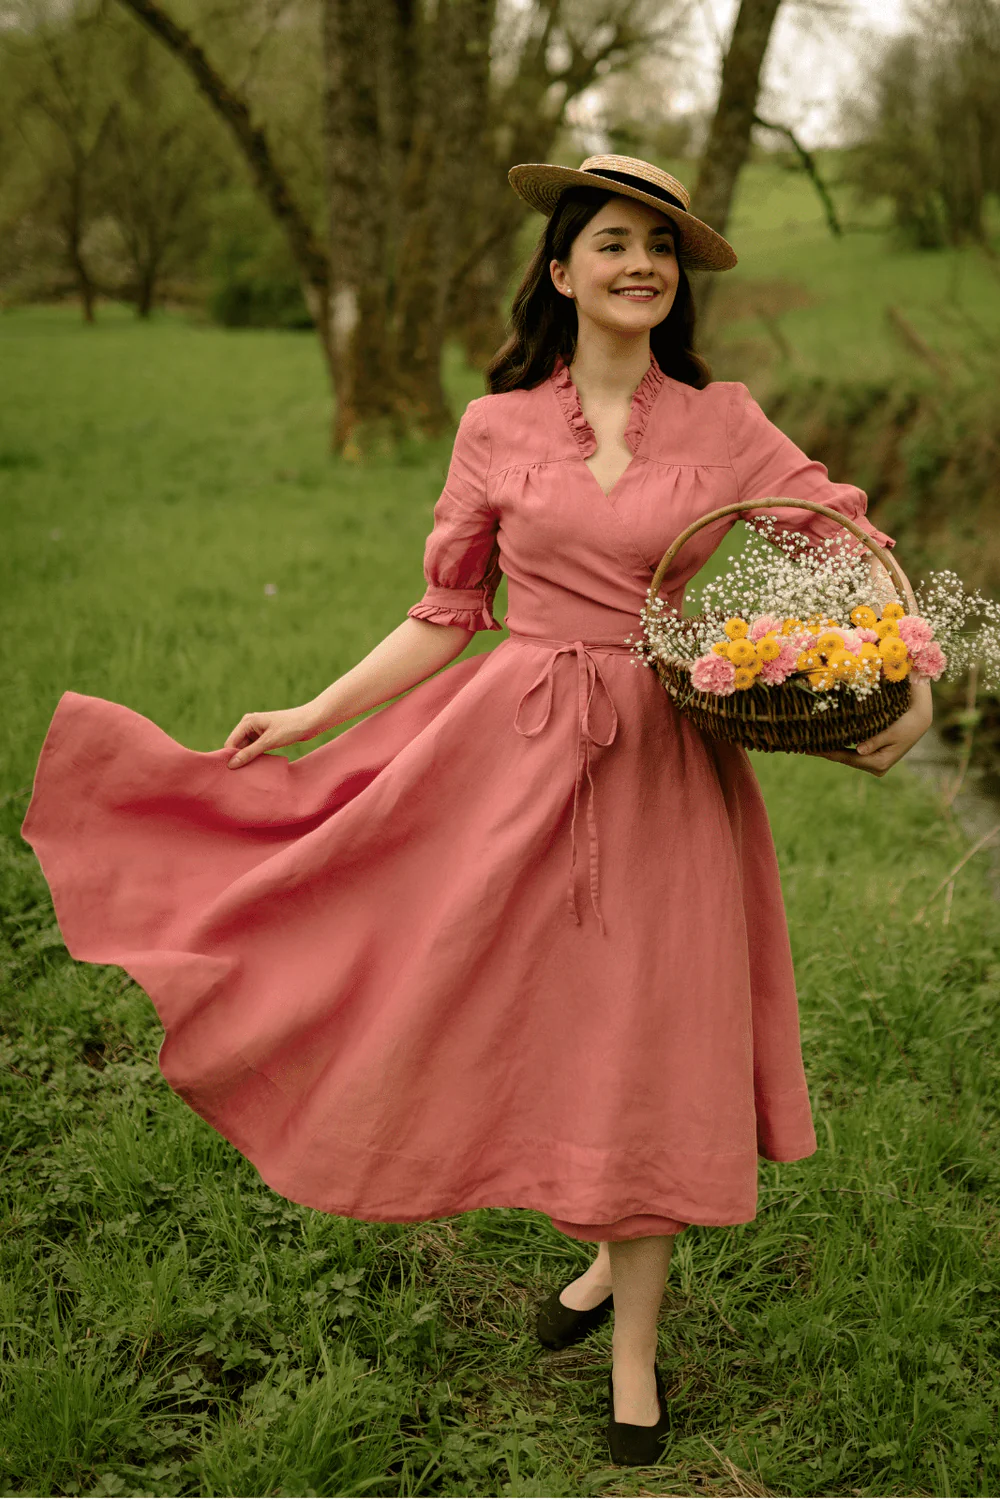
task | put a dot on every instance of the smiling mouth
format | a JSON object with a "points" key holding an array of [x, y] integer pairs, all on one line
{"points": [[637, 293]]}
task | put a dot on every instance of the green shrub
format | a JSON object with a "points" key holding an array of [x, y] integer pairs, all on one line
{"points": [[252, 280]]}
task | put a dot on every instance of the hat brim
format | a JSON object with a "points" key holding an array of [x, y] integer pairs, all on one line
{"points": [[700, 248]]}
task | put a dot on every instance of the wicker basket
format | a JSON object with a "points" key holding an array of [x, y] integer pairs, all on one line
{"points": [[782, 717]]}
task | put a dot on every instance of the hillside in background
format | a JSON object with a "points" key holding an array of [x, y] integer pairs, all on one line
{"points": [[804, 300]]}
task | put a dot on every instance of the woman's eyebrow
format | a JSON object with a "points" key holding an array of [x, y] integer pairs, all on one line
{"points": [[662, 229]]}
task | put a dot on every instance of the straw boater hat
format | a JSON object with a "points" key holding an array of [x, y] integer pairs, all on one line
{"points": [[701, 249]]}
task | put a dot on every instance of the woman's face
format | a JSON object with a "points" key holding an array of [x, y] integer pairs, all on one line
{"points": [[622, 270]]}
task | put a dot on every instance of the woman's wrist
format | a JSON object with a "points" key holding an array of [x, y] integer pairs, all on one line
{"points": [[323, 711], [921, 699]]}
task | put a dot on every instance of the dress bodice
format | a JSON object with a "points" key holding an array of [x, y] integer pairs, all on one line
{"points": [[520, 500]]}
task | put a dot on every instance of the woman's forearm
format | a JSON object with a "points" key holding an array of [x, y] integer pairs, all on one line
{"points": [[414, 650]]}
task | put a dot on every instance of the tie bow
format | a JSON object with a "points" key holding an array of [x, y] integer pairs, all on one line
{"points": [[590, 681]]}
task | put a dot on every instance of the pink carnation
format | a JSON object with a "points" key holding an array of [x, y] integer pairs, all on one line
{"points": [[928, 661], [762, 625], [782, 666], [852, 639], [713, 673], [915, 631], [864, 634]]}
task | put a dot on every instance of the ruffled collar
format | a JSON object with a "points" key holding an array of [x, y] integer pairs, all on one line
{"points": [[643, 398]]}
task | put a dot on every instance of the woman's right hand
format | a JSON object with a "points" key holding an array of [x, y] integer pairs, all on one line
{"points": [[258, 732]]}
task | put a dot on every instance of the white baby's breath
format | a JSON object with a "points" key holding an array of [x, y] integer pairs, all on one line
{"points": [[783, 573]]}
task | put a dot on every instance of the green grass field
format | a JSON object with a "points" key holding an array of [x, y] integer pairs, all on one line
{"points": [[829, 296], [172, 1327]]}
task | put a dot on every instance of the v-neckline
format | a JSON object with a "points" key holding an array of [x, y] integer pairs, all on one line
{"points": [[643, 398]]}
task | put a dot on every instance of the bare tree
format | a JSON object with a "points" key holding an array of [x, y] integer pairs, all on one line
{"points": [[62, 111], [404, 90], [159, 167], [231, 105], [418, 134], [928, 128]]}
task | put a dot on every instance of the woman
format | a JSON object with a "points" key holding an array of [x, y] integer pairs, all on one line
{"points": [[517, 939]]}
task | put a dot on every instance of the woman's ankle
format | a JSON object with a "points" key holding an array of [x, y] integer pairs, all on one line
{"points": [[632, 1356]]}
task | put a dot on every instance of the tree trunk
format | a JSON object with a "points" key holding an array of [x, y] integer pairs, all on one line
{"points": [[447, 157], [145, 292], [728, 143], [367, 416], [85, 287], [477, 313], [73, 227]]}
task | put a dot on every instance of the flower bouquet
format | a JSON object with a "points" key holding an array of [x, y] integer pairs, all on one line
{"points": [[797, 647]]}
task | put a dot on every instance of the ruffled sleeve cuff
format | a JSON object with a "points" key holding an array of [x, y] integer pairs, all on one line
{"points": [[849, 503], [470, 608]]}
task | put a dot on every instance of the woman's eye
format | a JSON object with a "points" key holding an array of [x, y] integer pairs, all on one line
{"points": [[667, 247]]}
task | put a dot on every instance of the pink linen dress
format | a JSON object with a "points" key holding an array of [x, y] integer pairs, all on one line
{"points": [[514, 940]]}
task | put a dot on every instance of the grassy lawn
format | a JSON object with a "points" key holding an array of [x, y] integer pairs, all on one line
{"points": [[169, 1325]]}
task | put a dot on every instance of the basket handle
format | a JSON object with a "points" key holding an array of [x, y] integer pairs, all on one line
{"points": [[739, 506]]}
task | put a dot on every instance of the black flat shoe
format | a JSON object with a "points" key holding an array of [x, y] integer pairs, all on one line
{"points": [[558, 1326], [630, 1442]]}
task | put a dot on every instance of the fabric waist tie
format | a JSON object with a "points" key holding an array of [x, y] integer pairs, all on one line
{"points": [[589, 676]]}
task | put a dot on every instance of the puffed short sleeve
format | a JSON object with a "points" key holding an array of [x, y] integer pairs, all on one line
{"points": [[462, 552], [766, 462]]}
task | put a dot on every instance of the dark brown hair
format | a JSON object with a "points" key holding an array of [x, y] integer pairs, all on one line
{"points": [[543, 322]]}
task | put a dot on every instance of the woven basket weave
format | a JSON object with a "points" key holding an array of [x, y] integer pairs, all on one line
{"points": [[782, 717]]}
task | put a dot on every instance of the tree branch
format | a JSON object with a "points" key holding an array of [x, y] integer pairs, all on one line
{"points": [[812, 172], [232, 107]]}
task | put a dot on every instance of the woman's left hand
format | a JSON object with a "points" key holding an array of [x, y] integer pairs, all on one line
{"points": [[881, 752]]}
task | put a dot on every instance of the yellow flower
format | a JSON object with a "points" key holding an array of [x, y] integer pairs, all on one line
{"points": [[869, 661], [893, 610], [840, 662], [745, 677], [830, 640], [823, 678], [807, 660], [884, 628], [892, 649], [743, 653], [896, 671], [721, 648], [787, 626], [735, 628], [864, 617], [768, 647]]}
